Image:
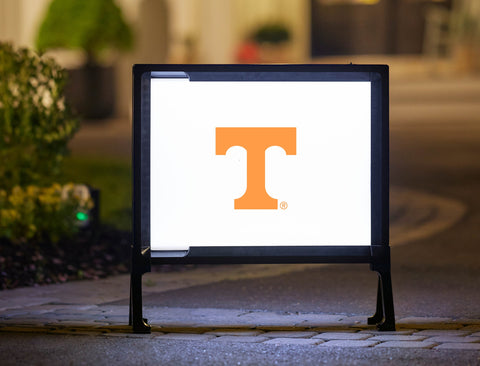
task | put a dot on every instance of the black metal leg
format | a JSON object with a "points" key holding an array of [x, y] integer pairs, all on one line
{"points": [[387, 297], [384, 316], [136, 312], [378, 316]]}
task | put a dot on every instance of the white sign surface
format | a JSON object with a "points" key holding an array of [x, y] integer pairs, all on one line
{"points": [[311, 141]]}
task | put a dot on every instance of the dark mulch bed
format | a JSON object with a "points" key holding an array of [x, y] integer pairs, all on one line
{"points": [[87, 256]]}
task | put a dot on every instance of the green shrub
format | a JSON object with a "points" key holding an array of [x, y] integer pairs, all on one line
{"points": [[273, 33], [35, 123], [42, 215], [35, 127], [93, 26]]}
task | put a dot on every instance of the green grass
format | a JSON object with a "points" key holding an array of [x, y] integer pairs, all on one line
{"points": [[113, 177]]}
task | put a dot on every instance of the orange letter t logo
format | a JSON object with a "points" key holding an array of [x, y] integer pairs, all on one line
{"points": [[256, 140]]}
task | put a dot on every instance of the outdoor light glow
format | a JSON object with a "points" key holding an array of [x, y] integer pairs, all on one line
{"points": [[82, 216]]}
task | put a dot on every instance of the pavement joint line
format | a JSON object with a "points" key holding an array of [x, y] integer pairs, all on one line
{"points": [[289, 334], [462, 346], [453, 339], [399, 331], [407, 344], [186, 337], [294, 341], [393, 337], [348, 343], [343, 336], [443, 332], [241, 339], [235, 332]]}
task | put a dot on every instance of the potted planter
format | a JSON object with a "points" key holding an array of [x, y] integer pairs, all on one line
{"points": [[96, 27], [273, 41]]}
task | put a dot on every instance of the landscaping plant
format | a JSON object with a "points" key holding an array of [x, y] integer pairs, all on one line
{"points": [[35, 122], [35, 127]]}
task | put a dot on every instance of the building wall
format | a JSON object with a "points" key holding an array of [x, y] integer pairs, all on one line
{"points": [[370, 27], [345, 28], [20, 19], [201, 31]]}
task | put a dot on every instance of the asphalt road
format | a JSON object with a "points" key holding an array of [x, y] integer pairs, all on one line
{"points": [[76, 350]]}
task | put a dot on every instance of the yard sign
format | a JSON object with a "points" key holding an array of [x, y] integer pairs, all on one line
{"points": [[261, 164]]}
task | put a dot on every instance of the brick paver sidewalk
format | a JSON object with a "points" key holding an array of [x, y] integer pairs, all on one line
{"points": [[221, 325]]}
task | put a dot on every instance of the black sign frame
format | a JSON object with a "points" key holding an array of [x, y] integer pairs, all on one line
{"points": [[377, 254]]}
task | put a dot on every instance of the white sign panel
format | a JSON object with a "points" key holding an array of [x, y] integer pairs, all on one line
{"points": [[259, 163]]}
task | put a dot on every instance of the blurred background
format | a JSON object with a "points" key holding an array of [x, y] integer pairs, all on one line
{"points": [[416, 37], [431, 46]]}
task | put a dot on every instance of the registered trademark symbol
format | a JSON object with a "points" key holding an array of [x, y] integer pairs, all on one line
{"points": [[283, 205]]}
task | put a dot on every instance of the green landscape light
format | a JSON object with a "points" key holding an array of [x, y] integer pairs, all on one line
{"points": [[82, 216]]}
